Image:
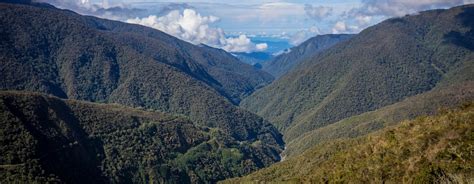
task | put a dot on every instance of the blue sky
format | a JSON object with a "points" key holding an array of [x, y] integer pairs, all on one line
{"points": [[232, 25], [255, 17]]}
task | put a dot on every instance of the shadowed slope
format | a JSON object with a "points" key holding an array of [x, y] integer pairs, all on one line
{"points": [[48, 139], [71, 56], [58, 52]]}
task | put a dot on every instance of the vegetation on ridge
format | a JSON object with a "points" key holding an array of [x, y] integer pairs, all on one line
{"points": [[428, 149], [46, 139], [59, 52], [423, 104], [382, 65]]}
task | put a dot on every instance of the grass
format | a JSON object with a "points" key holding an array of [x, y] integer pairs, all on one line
{"points": [[428, 149], [424, 104]]}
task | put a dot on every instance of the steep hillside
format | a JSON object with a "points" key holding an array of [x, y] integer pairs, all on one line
{"points": [[59, 52], [285, 62], [217, 68], [44, 138], [382, 65], [435, 149], [423, 104]]}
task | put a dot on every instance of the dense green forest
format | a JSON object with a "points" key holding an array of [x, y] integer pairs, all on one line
{"points": [[71, 56], [382, 65], [61, 53], [429, 149], [90, 100], [46, 139]]}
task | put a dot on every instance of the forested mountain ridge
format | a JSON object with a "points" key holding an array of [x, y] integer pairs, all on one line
{"points": [[217, 68], [61, 53], [382, 65], [429, 149], [285, 62], [89, 100], [45, 138], [428, 103], [77, 57]]}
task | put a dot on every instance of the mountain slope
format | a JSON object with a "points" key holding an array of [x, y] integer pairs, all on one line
{"points": [[423, 104], [58, 52], [435, 149], [283, 63], [215, 67], [382, 65], [48, 139], [77, 57]]}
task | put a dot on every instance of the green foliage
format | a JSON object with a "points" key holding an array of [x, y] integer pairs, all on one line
{"points": [[78, 57], [382, 65], [46, 139], [59, 52], [424, 104], [429, 149]]}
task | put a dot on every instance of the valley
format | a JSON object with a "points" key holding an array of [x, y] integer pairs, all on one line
{"points": [[85, 99]]}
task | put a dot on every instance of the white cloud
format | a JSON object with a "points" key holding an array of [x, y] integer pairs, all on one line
{"points": [[191, 26], [242, 44], [303, 35], [261, 46], [341, 27], [373, 11], [363, 20], [115, 11], [317, 12], [285, 51], [402, 7], [268, 12]]}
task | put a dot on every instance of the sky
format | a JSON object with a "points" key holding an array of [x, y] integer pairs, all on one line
{"points": [[234, 25]]}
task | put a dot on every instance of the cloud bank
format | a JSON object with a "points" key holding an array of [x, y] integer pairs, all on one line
{"points": [[177, 19], [114, 11], [191, 26], [372, 11], [317, 12], [392, 8]]}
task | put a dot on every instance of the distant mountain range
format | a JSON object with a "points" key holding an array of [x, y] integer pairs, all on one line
{"points": [[288, 60], [254, 58], [280, 63]]}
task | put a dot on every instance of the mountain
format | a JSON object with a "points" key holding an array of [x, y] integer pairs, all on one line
{"points": [[428, 103], [45, 138], [285, 62], [429, 149], [253, 58], [61, 53], [217, 68], [382, 65], [214, 67]]}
